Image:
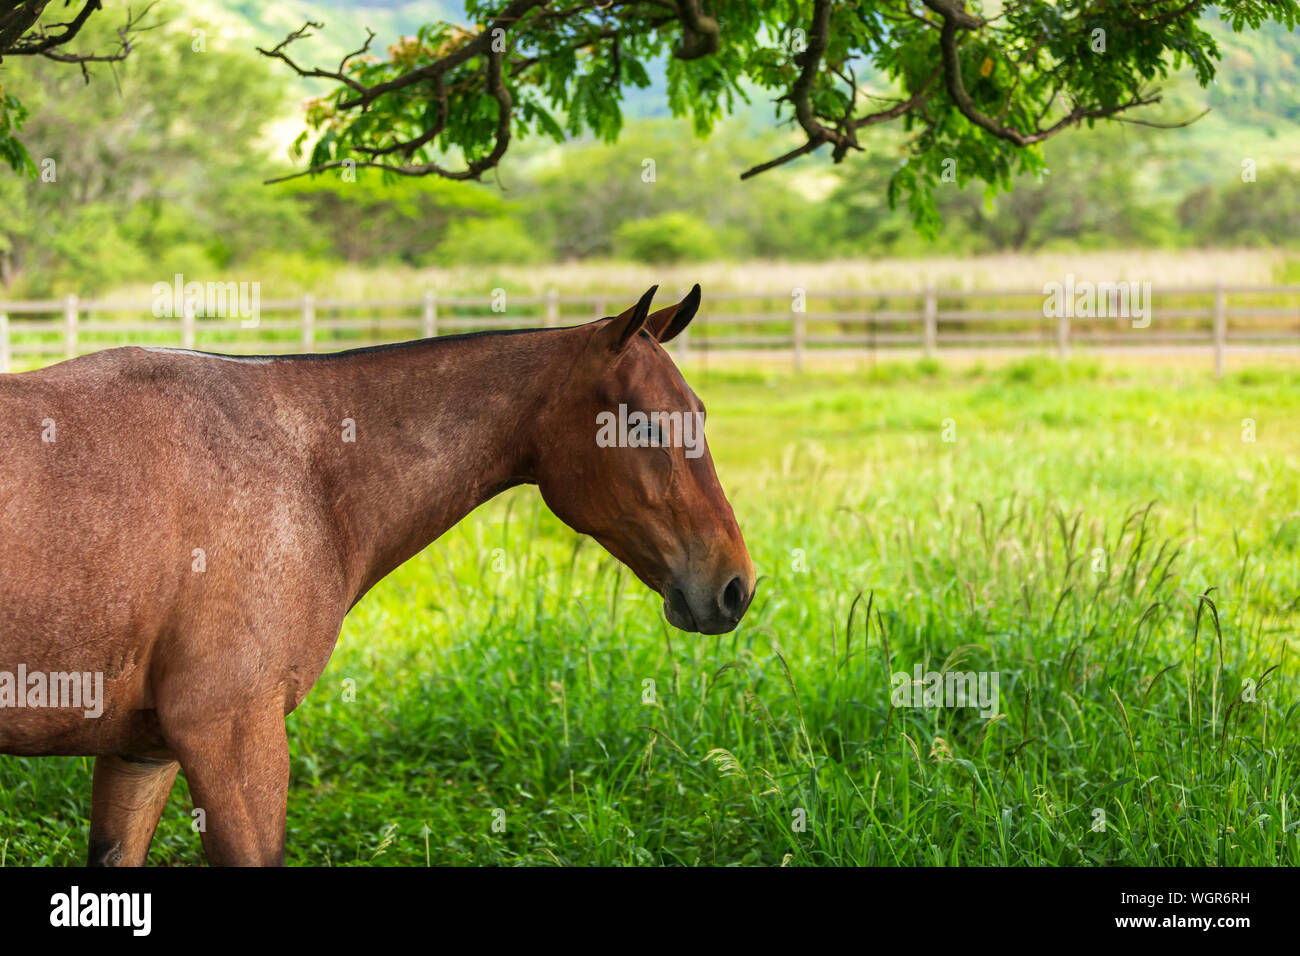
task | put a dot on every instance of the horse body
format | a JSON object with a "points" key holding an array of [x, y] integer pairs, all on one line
{"points": [[194, 529]]}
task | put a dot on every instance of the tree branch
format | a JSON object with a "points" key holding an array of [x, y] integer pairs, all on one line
{"points": [[956, 19], [339, 75], [42, 42], [871, 119], [22, 17], [701, 34], [475, 47], [473, 169]]}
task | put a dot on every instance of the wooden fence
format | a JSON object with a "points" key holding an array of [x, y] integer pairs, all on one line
{"points": [[795, 326]]}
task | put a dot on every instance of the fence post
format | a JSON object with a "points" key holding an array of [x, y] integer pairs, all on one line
{"points": [[800, 339], [187, 323], [931, 320], [429, 320], [600, 307], [1220, 327], [552, 308], [1063, 335], [70, 326], [4, 342], [308, 322]]}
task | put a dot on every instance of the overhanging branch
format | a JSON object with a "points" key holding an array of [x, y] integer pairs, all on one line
{"points": [[21, 36], [955, 21]]}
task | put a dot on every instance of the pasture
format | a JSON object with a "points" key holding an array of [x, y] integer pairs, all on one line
{"points": [[514, 696]]}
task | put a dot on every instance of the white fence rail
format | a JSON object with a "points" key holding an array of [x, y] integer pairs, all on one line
{"points": [[794, 327]]}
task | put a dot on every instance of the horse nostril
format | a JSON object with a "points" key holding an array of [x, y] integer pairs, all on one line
{"points": [[733, 599]]}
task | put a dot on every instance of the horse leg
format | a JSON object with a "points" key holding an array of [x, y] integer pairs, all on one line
{"points": [[127, 798], [237, 765]]}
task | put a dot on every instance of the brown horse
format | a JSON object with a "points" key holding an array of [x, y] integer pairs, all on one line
{"points": [[191, 529]]}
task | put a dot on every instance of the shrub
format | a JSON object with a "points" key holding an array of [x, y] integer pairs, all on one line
{"points": [[669, 237], [489, 241]]}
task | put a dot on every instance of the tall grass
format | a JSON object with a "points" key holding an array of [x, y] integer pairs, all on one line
{"points": [[285, 275], [1111, 548]]}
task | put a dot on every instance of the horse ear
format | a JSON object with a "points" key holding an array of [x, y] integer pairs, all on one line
{"points": [[666, 323], [621, 328]]}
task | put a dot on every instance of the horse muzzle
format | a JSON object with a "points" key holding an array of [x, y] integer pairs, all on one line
{"points": [[708, 610]]}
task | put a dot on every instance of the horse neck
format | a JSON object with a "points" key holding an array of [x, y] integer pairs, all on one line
{"points": [[440, 427]]}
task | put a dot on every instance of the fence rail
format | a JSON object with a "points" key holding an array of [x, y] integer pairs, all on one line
{"points": [[793, 326]]}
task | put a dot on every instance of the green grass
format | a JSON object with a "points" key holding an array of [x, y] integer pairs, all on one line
{"points": [[1063, 540]]}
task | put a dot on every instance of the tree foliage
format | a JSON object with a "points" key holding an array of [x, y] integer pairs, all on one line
{"points": [[976, 90]]}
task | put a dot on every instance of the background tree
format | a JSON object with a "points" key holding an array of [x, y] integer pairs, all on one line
{"points": [[366, 220], [579, 200], [143, 169]]}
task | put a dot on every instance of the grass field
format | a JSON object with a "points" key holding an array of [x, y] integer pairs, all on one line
{"points": [[519, 698], [289, 277]]}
